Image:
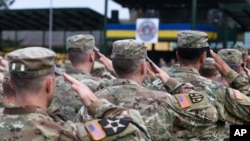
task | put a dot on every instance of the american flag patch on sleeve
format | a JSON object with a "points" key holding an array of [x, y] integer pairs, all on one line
{"points": [[182, 100], [238, 95], [95, 130]]}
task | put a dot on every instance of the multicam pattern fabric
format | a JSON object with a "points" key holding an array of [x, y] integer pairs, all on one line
{"points": [[232, 105], [31, 123], [231, 56], [162, 112], [100, 71], [128, 49], [192, 39], [84, 42], [68, 100]]}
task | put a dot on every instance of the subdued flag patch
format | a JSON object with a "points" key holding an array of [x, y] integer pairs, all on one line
{"points": [[238, 95]]}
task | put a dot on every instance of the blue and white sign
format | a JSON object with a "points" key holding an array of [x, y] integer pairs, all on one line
{"points": [[147, 30]]}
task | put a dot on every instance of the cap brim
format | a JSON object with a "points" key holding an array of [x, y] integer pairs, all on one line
{"points": [[58, 71], [148, 59], [96, 49]]}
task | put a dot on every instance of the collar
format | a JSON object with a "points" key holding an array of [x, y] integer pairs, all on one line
{"points": [[71, 70], [187, 70], [119, 81], [7, 104], [21, 110]]}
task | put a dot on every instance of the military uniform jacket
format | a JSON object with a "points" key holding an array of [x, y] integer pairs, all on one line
{"points": [[164, 113], [68, 100], [232, 105], [31, 123]]}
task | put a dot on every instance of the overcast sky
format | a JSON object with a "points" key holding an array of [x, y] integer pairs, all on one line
{"points": [[97, 5]]}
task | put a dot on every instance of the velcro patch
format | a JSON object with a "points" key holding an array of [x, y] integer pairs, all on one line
{"points": [[183, 100], [95, 130], [238, 95], [114, 126], [195, 97]]}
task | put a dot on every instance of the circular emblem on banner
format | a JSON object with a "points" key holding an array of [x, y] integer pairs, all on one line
{"points": [[147, 30]]}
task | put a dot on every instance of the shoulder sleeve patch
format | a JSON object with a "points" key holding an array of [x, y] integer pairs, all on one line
{"points": [[195, 97], [238, 95], [183, 100], [114, 126], [95, 130]]}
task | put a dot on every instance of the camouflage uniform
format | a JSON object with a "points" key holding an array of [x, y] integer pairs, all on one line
{"points": [[244, 50], [164, 114], [68, 100], [232, 105], [30, 122], [100, 71]]}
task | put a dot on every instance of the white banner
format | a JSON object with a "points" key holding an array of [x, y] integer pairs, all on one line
{"points": [[147, 30]]}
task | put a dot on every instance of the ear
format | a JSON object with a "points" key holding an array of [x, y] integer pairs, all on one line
{"points": [[203, 57], [50, 84], [143, 68], [92, 56]]}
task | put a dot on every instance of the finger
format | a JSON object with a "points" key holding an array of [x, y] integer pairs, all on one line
{"points": [[75, 87], [70, 79]]}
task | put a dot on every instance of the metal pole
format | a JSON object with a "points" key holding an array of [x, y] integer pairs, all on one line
{"points": [[194, 8], [104, 45], [50, 24]]}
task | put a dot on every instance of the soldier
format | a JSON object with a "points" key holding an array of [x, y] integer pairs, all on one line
{"points": [[229, 102], [33, 79], [233, 58], [163, 113], [100, 70], [244, 52], [82, 56], [208, 69]]}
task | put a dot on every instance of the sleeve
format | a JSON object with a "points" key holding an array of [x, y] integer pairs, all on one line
{"points": [[234, 106], [135, 128], [238, 82]]}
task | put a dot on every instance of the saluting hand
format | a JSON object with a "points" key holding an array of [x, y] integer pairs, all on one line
{"points": [[87, 96]]}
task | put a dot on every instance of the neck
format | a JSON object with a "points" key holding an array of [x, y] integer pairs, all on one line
{"points": [[34, 99], [135, 78], [194, 66], [85, 67], [10, 99]]}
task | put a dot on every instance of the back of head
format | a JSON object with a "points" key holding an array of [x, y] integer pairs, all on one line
{"points": [[191, 42], [208, 69], [232, 57], [244, 50], [78, 47], [29, 64], [127, 55]]}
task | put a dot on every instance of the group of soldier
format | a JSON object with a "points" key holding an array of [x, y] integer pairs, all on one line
{"points": [[126, 97]]}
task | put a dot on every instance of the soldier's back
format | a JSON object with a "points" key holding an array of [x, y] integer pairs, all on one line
{"points": [[68, 100], [163, 113]]}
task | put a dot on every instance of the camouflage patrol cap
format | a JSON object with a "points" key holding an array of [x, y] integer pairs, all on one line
{"points": [[231, 56], [83, 42], [192, 39], [31, 62], [242, 49], [208, 64], [128, 49]]}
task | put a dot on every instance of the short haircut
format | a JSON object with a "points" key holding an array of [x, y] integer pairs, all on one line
{"points": [[126, 67], [8, 90], [31, 85], [77, 56], [190, 55], [208, 72]]}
